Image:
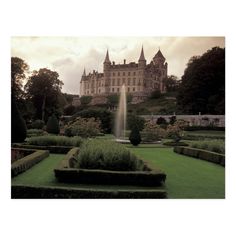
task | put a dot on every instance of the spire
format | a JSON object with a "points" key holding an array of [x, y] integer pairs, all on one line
{"points": [[84, 74], [142, 58], [159, 54], [107, 60]]}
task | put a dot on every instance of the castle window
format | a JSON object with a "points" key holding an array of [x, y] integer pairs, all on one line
{"points": [[114, 74], [123, 81], [112, 89], [123, 73], [134, 73], [118, 73], [128, 73], [98, 90], [134, 81], [118, 89], [113, 82], [134, 89], [128, 81], [118, 82], [128, 89]]}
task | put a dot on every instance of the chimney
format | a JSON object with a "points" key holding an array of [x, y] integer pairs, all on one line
{"points": [[124, 61], [113, 63]]}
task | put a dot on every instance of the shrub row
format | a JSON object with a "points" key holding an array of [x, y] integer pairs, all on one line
{"points": [[51, 149], [201, 137], [27, 162], [194, 128], [86, 176], [18, 153], [175, 144], [107, 155], [32, 192], [53, 140], [201, 154], [210, 145], [70, 159], [35, 132]]}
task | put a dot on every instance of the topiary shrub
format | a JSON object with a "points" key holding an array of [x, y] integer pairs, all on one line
{"points": [[134, 136], [53, 125], [38, 124], [18, 126]]}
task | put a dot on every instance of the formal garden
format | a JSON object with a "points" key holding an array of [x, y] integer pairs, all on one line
{"points": [[75, 158]]}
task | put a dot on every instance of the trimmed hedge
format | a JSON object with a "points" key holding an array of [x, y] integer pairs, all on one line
{"points": [[19, 153], [90, 176], [201, 154], [70, 159], [32, 192], [194, 128], [175, 144], [52, 149], [27, 162]]}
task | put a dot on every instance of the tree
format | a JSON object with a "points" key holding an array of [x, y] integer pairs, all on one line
{"points": [[53, 125], [135, 121], [18, 126], [156, 94], [171, 83], [161, 121], [202, 88], [44, 90], [112, 100], [85, 100], [18, 74], [134, 136]]}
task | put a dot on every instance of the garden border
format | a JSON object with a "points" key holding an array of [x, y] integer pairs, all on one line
{"points": [[201, 154], [48, 192], [28, 161]]}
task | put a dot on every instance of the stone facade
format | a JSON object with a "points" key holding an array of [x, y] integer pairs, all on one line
{"points": [[139, 78]]}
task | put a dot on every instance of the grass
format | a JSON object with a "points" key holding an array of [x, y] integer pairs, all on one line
{"points": [[186, 177]]}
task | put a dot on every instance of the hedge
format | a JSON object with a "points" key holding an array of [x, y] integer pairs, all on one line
{"points": [[175, 144], [70, 159], [27, 162], [33, 192], [194, 128], [91, 176], [19, 153], [201, 154], [52, 149]]}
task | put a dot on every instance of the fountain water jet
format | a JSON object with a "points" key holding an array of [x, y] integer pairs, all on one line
{"points": [[120, 122]]}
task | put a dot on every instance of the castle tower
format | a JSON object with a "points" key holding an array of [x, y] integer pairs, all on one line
{"points": [[159, 59], [142, 60], [106, 71], [82, 83]]}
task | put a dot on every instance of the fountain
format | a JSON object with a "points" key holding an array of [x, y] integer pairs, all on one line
{"points": [[120, 122]]}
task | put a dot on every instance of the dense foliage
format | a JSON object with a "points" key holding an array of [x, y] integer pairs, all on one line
{"points": [[51, 140], [203, 84], [152, 132], [38, 124], [85, 100], [134, 136], [134, 121], [53, 125], [103, 115], [107, 155], [35, 132], [44, 90], [18, 126], [210, 145], [84, 127]]}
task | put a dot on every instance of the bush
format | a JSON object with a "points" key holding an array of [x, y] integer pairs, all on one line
{"points": [[27, 162], [69, 110], [37, 124], [18, 126], [84, 127], [152, 132], [217, 146], [107, 155], [161, 121], [175, 144], [156, 94], [35, 132], [134, 121], [135, 137], [103, 115], [49, 140], [53, 125], [85, 100]]}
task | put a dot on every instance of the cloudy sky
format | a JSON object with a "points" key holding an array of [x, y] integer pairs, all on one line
{"points": [[69, 55]]}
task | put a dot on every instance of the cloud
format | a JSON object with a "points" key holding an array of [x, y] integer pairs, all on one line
{"points": [[69, 55]]}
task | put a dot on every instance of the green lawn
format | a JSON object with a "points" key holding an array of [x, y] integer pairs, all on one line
{"points": [[186, 177]]}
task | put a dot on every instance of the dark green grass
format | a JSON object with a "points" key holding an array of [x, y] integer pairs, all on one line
{"points": [[186, 177], [42, 174]]}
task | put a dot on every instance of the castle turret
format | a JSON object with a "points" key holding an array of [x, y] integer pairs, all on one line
{"points": [[106, 71], [159, 59], [142, 60], [107, 62]]}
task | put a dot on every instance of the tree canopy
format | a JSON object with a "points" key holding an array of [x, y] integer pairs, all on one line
{"points": [[44, 89], [203, 84]]}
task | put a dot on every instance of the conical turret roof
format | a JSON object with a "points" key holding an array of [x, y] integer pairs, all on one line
{"points": [[107, 60], [84, 73], [142, 58], [159, 54]]}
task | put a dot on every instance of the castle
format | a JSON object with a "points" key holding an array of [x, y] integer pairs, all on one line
{"points": [[140, 79]]}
